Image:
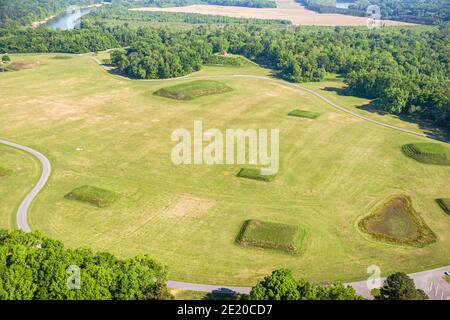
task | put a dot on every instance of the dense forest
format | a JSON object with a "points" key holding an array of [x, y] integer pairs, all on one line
{"points": [[416, 11], [116, 15], [180, 3], [405, 70], [34, 267]]}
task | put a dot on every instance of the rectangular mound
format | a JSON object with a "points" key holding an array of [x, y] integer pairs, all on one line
{"points": [[444, 204], [270, 235], [192, 90], [93, 195], [254, 174], [304, 114]]}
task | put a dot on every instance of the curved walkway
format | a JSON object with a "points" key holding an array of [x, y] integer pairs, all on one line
{"points": [[22, 219], [428, 278]]}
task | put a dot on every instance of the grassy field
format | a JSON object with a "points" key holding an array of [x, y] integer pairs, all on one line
{"points": [[254, 174], [104, 131]]}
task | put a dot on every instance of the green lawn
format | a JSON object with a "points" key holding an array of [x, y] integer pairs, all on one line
{"points": [[192, 90], [113, 133]]}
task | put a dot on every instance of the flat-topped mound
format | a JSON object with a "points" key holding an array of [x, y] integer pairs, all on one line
{"points": [[444, 204], [304, 114], [254, 174], [192, 90], [93, 195], [270, 235], [430, 153], [396, 221]]}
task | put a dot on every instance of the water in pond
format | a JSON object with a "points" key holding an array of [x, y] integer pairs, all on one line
{"points": [[69, 20]]}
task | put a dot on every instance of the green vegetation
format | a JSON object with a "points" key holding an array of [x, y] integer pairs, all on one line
{"points": [[304, 114], [281, 285], [4, 172], [444, 204], [270, 235], [112, 16], [447, 278], [255, 174], [25, 12], [124, 145], [430, 153], [34, 267], [180, 3], [415, 11], [399, 286], [6, 58], [233, 61], [397, 222], [93, 195], [193, 90]]}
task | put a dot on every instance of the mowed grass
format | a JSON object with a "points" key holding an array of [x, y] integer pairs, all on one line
{"points": [[254, 174], [93, 195], [397, 222], [104, 131], [444, 204], [430, 153], [270, 235], [304, 114], [193, 90], [4, 172]]}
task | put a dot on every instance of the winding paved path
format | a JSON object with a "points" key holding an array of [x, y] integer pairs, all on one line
{"points": [[430, 281], [22, 219]]}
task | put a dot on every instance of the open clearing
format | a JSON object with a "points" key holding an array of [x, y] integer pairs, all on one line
{"points": [[287, 10], [99, 130]]}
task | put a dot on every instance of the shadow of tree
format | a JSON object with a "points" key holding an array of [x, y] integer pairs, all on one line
{"points": [[427, 126]]}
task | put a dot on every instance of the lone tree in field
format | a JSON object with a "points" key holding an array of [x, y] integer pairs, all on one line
{"points": [[281, 285], [399, 286], [6, 59]]}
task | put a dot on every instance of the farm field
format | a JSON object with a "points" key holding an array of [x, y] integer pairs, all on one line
{"points": [[113, 133], [287, 10]]}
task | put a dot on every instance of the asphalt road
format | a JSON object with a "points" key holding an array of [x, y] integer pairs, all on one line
{"points": [[22, 219], [430, 281]]}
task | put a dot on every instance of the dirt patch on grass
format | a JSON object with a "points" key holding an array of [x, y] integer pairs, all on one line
{"points": [[188, 206], [297, 14], [341, 118], [17, 65], [396, 221]]}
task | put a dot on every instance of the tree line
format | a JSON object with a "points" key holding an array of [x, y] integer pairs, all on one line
{"points": [[35, 267], [415, 11], [25, 12], [405, 70]]}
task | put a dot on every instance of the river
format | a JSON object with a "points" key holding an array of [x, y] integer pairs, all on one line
{"points": [[68, 20]]}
